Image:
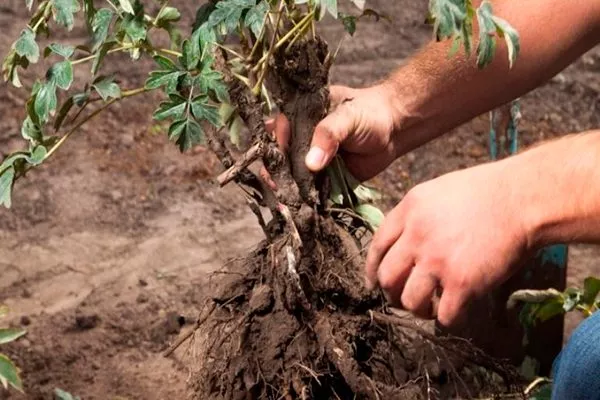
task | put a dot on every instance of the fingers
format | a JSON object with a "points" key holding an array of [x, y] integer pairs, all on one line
{"points": [[418, 292], [451, 306], [386, 236], [339, 94], [394, 270], [328, 135]]}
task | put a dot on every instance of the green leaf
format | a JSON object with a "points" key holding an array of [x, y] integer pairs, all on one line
{"points": [[487, 34], [371, 214], [168, 14], [8, 335], [107, 88], [572, 297], [187, 133], [203, 111], [591, 288], [100, 27], [173, 108], [9, 374], [64, 11], [165, 63], [331, 6], [349, 22], [542, 393], [62, 395], [7, 178], [549, 309], [90, 12], [29, 4], [190, 54], [169, 79], [256, 17], [61, 74], [448, 17], [62, 50], [228, 13], [126, 6], [37, 156], [45, 101], [211, 82], [202, 14], [104, 49], [511, 37], [26, 46], [31, 131], [134, 25]]}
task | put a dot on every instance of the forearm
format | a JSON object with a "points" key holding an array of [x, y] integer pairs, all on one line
{"points": [[434, 93], [557, 187]]}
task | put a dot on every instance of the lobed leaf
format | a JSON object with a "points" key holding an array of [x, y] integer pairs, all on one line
{"points": [[64, 11], [100, 26], [62, 50], [107, 88], [202, 110], [61, 74], [26, 46], [187, 133], [256, 17], [173, 108]]}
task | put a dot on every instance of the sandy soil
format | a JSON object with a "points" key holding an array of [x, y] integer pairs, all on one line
{"points": [[105, 252]]}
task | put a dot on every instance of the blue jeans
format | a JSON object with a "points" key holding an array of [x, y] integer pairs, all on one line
{"points": [[576, 370]]}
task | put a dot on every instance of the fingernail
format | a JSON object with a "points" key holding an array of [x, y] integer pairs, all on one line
{"points": [[315, 158]]}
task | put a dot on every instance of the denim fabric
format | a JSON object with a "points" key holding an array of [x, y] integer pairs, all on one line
{"points": [[576, 371]]}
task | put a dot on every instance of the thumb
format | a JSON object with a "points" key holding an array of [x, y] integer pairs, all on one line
{"points": [[329, 134]]}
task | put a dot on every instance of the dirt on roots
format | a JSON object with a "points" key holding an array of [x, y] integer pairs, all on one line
{"points": [[280, 328]]}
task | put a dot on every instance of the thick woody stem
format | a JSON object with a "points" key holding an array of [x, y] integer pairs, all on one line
{"points": [[254, 153]]}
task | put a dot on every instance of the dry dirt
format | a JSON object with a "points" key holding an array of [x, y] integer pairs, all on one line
{"points": [[104, 255]]}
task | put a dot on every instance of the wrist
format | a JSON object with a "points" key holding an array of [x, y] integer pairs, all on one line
{"points": [[557, 190]]}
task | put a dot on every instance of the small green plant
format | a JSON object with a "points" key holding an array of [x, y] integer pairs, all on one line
{"points": [[9, 373], [60, 394], [542, 305]]}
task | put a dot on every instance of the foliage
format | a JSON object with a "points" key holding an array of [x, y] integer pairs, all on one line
{"points": [[9, 373], [196, 96], [542, 305], [60, 394]]}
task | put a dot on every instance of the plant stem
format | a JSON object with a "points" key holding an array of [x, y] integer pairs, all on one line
{"points": [[168, 51], [235, 53], [63, 139], [89, 58], [263, 73], [307, 18]]}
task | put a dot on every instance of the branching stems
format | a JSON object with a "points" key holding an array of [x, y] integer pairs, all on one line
{"points": [[65, 137]]}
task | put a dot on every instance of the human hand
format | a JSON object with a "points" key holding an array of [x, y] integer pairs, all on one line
{"points": [[464, 232], [360, 126]]}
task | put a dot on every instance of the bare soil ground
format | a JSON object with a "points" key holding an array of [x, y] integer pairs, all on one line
{"points": [[105, 253]]}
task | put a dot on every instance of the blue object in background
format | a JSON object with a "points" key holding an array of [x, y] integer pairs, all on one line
{"points": [[504, 140]]}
